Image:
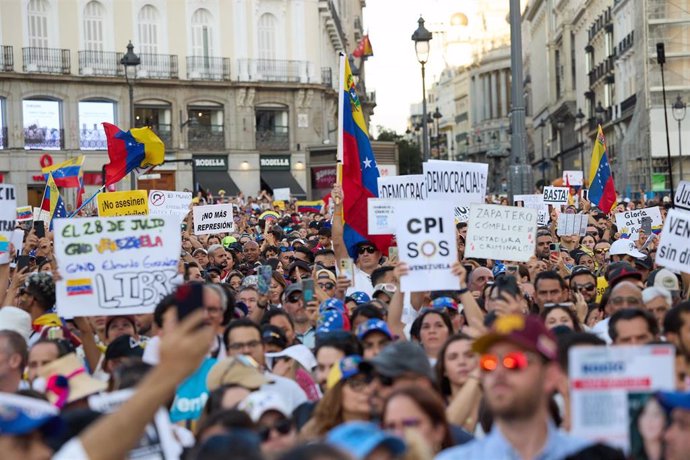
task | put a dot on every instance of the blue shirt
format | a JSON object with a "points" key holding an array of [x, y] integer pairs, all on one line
{"points": [[495, 447]]}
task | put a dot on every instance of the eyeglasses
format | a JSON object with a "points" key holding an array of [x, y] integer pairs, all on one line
{"points": [[402, 424], [294, 298], [326, 286], [513, 361], [620, 300], [584, 287], [358, 382], [281, 427], [237, 346], [367, 249]]}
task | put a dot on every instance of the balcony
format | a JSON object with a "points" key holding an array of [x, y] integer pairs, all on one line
{"points": [[37, 138], [626, 44], [327, 76], [3, 138], [272, 140], [602, 70], [273, 70], [46, 60], [333, 25], [100, 64], [158, 66], [6, 58], [205, 137], [208, 68]]}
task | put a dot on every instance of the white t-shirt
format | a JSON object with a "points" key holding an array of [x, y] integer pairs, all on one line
{"points": [[601, 330]]}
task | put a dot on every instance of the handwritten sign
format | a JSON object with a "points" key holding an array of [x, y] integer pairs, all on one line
{"points": [[128, 203], [115, 266], [381, 214], [281, 194], [215, 218], [682, 196], [426, 242], [629, 223], [674, 246], [501, 232], [463, 183], [556, 195], [409, 187], [572, 224], [168, 203], [572, 178], [8, 216]]}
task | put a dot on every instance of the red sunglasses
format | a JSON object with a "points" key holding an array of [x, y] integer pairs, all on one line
{"points": [[513, 361]]}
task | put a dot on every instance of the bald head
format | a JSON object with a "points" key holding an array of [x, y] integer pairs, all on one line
{"points": [[251, 251], [625, 294], [479, 277]]}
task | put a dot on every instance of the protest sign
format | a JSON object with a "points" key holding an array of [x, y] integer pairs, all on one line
{"points": [[682, 196], [281, 194], [158, 440], [24, 214], [115, 265], [556, 195], [602, 377], [41, 215], [572, 178], [381, 216], [167, 203], [409, 187], [8, 217], [462, 214], [213, 218], [674, 246], [426, 238], [572, 224], [463, 183], [543, 217], [535, 201], [128, 203], [501, 232], [629, 223]]}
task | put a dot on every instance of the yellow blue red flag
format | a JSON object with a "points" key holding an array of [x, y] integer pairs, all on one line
{"points": [[602, 191]]}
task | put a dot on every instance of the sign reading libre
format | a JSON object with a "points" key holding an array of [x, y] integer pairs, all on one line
{"points": [[214, 218], [115, 266], [128, 203]]}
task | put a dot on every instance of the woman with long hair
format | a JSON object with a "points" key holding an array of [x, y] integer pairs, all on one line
{"points": [[431, 329], [561, 315], [278, 285]]}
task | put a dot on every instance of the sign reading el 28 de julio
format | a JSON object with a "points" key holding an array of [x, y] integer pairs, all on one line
{"points": [[115, 266], [426, 238]]}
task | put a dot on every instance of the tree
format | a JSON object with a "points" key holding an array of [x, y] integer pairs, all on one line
{"points": [[409, 154]]}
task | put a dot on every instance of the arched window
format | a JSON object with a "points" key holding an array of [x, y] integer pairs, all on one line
{"points": [[267, 36], [94, 13], [38, 23], [202, 33], [149, 20]]}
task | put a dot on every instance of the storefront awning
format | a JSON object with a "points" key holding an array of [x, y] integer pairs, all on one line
{"points": [[217, 180], [282, 179]]}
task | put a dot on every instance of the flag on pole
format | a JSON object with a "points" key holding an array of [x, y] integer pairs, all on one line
{"points": [[129, 150], [602, 191], [364, 49], [359, 171], [52, 202], [68, 174]]}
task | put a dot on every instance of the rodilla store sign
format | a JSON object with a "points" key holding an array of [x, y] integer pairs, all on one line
{"points": [[275, 162], [214, 163]]}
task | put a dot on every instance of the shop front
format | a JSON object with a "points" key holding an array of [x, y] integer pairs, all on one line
{"points": [[275, 172]]}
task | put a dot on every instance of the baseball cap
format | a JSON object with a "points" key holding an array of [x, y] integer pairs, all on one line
{"points": [[360, 439], [373, 325], [622, 271], [273, 335], [442, 303], [358, 297], [299, 353], [625, 247], [260, 402], [199, 251], [664, 278], [17, 320], [294, 287], [330, 320], [528, 332], [332, 304], [124, 346], [674, 399], [239, 370], [343, 370], [325, 274], [647, 263], [400, 358], [20, 415], [299, 264]]}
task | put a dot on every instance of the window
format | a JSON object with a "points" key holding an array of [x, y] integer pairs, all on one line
{"points": [[94, 13], [91, 115], [148, 29], [202, 33], [42, 126], [267, 37], [38, 23], [272, 129]]}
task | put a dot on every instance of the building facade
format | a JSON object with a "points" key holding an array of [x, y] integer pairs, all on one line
{"points": [[238, 90]]}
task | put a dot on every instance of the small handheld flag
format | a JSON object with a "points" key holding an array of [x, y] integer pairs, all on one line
{"points": [[67, 174]]}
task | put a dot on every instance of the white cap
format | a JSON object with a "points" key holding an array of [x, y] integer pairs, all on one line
{"points": [[299, 353], [16, 319], [625, 247], [665, 279], [260, 402]]}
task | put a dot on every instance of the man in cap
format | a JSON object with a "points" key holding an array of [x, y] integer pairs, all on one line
{"points": [[24, 425], [625, 250], [374, 335], [519, 372], [201, 257], [664, 278], [293, 303]]}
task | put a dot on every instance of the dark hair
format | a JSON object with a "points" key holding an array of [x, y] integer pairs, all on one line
{"points": [[273, 249], [164, 304], [325, 231], [129, 374], [577, 327], [16, 344], [226, 418], [628, 314], [567, 341], [340, 340], [325, 252], [440, 367], [368, 310], [63, 346], [307, 252], [549, 275], [673, 321], [237, 323], [187, 266], [379, 273], [417, 324]]}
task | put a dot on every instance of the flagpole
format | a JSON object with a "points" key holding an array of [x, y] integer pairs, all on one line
{"points": [[87, 201], [341, 100]]}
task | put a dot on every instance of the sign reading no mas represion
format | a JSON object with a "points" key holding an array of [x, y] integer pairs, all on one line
{"points": [[214, 218]]}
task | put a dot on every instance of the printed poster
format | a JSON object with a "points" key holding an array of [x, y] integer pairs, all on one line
{"points": [[462, 182]]}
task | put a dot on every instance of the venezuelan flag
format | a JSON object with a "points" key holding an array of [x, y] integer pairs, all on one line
{"points": [[602, 191], [80, 286], [128, 150], [52, 201], [309, 206], [67, 174], [359, 174]]}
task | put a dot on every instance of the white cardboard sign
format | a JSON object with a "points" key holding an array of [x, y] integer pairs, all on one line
{"points": [[556, 195], [682, 196], [674, 246], [501, 232], [462, 182], [8, 218], [169, 203], [410, 187], [281, 194], [381, 216], [573, 178], [572, 224], [629, 223], [214, 218]]}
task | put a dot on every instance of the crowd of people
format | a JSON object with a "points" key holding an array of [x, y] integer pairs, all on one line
{"points": [[294, 353]]}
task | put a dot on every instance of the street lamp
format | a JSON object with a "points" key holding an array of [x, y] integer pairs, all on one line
{"points": [[579, 117], [131, 61], [437, 116], [542, 125], [679, 108], [421, 38], [600, 113]]}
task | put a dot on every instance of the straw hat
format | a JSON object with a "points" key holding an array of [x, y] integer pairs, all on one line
{"points": [[67, 380]]}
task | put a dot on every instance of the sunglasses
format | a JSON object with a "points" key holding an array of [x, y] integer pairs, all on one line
{"points": [[281, 427], [367, 249], [584, 287], [602, 250], [513, 361], [326, 286]]}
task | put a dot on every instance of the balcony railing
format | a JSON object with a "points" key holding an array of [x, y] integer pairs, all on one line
{"points": [[271, 140], [158, 66], [208, 68], [6, 58], [273, 70], [46, 60], [326, 76], [206, 137], [100, 63], [37, 138], [3, 138], [162, 130]]}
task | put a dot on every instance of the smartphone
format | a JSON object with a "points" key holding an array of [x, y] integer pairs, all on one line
{"points": [[646, 225], [308, 289], [346, 268], [22, 262], [39, 229], [554, 248], [512, 269], [265, 273], [393, 254], [188, 297], [585, 194]]}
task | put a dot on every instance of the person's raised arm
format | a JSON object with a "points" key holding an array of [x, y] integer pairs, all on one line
{"points": [[88, 342], [395, 308], [337, 227], [474, 314]]}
